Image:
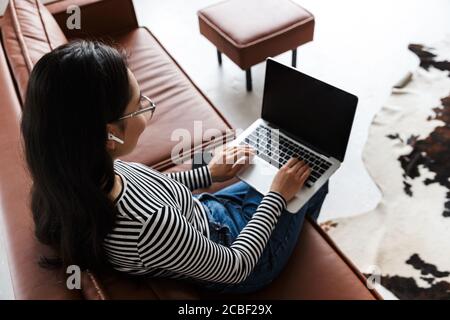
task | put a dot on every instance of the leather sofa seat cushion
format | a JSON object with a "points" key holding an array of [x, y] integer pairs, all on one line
{"points": [[181, 111], [250, 31], [28, 31]]}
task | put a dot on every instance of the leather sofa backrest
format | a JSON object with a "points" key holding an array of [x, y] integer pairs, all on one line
{"points": [[28, 32]]}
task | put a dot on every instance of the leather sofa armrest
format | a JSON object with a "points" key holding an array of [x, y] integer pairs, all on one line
{"points": [[95, 22]]}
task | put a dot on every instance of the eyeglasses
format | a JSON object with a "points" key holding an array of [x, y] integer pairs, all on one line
{"points": [[145, 105]]}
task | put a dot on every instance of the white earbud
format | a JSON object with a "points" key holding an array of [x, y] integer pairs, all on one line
{"points": [[113, 137]]}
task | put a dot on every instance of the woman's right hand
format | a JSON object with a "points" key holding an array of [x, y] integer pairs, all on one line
{"points": [[290, 178]]}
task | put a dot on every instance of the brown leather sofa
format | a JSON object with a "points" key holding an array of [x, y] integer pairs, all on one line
{"points": [[316, 270]]}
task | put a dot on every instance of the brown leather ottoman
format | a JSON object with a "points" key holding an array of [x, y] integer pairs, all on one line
{"points": [[250, 31]]}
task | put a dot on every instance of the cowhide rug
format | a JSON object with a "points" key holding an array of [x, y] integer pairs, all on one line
{"points": [[407, 236]]}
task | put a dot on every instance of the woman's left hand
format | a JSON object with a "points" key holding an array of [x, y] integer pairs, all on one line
{"points": [[228, 161]]}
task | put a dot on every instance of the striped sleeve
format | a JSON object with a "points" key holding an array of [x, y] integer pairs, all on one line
{"points": [[167, 241], [193, 179]]}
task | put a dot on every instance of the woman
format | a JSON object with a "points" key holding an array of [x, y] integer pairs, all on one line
{"points": [[83, 111]]}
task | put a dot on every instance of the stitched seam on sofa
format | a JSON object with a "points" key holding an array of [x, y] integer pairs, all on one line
{"points": [[43, 25], [167, 164], [262, 39], [20, 39], [343, 257], [96, 286], [190, 80], [15, 86]]}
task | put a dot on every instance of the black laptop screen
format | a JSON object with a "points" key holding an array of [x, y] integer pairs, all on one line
{"points": [[317, 113]]}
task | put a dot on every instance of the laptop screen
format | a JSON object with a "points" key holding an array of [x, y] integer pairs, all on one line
{"points": [[312, 111]]}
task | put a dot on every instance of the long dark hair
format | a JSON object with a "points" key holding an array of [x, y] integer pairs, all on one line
{"points": [[73, 92]]}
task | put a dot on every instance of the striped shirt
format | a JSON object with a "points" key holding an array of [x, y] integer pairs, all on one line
{"points": [[162, 230]]}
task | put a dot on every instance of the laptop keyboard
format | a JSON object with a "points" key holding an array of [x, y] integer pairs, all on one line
{"points": [[277, 153]]}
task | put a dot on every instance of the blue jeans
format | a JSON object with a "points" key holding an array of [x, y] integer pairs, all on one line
{"points": [[229, 211]]}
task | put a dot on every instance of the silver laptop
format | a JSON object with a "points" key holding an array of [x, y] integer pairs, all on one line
{"points": [[303, 117]]}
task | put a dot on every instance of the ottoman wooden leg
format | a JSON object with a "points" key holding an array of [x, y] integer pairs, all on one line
{"points": [[248, 77], [294, 58], [219, 57]]}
